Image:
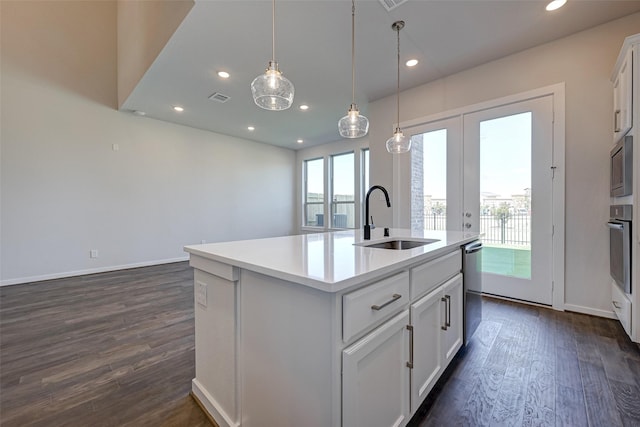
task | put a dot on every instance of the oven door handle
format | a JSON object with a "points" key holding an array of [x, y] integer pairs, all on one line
{"points": [[615, 225]]}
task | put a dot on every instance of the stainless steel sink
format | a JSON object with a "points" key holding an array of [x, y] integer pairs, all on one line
{"points": [[400, 244]]}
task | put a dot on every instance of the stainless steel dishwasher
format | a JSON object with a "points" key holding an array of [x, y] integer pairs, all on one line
{"points": [[472, 278]]}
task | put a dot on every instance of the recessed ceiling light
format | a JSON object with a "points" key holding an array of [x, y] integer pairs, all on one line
{"points": [[555, 4], [251, 128], [300, 141], [178, 108], [411, 63], [304, 107], [223, 74]]}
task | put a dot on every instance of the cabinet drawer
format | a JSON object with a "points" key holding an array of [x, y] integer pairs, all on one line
{"points": [[366, 306], [621, 306], [427, 276]]}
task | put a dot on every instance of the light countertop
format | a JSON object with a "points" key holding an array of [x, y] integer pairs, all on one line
{"points": [[330, 261]]}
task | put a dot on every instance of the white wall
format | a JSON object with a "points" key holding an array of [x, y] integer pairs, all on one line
{"points": [[64, 190], [584, 62]]}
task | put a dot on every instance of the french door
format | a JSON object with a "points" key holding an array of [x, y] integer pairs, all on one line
{"points": [[490, 169], [507, 196]]}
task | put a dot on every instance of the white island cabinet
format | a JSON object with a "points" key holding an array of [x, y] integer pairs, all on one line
{"points": [[318, 330]]}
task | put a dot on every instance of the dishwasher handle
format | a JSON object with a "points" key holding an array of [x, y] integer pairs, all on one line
{"points": [[473, 247]]}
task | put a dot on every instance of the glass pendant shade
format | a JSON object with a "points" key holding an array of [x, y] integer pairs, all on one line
{"points": [[272, 90], [353, 125], [398, 143]]}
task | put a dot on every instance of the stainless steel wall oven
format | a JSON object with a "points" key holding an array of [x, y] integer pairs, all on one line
{"points": [[620, 245], [622, 167]]}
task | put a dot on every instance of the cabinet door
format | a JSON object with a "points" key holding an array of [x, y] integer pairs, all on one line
{"points": [[453, 335], [622, 98], [375, 377], [427, 319]]}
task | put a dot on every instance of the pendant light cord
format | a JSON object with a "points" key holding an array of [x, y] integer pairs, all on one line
{"points": [[273, 31], [353, 51], [398, 87]]}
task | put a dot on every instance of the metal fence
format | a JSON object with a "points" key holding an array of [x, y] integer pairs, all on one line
{"points": [[513, 230]]}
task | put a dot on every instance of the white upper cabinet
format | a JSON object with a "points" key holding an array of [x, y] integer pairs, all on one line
{"points": [[623, 96]]}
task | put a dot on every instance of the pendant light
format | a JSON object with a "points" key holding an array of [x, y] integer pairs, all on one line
{"points": [[353, 125], [271, 90], [398, 143]]}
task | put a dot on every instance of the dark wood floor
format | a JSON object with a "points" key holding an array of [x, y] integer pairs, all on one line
{"points": [[111, 349], [117, 349], [532, 366]]}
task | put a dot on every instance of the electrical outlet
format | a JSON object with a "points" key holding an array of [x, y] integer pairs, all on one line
{"points": [[93, 253], [201, 294]]}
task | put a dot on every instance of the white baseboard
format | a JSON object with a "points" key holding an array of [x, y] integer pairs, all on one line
{"points": [[30, 279], [210, 405], [592, 311]]}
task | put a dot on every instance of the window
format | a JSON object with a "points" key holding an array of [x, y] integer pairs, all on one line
{"points": [[314, 192], [333, 186], [343, 190], [365, 172]]}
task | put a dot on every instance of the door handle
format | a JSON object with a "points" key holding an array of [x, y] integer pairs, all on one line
{"points": [[467, 225], [410, 362], [446, 314], [448, 322]]}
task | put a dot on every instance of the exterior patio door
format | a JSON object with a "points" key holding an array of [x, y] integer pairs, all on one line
{"points": [[507, 196]]}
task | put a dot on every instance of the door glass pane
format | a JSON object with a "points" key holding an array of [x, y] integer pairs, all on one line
{"points": [[435, 179], [505, 195], [314, 192], [429, 180], [343, 190]]}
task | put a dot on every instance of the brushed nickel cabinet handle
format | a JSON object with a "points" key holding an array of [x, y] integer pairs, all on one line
{"points": [[448, 297], [410, 362], [394, 297]]}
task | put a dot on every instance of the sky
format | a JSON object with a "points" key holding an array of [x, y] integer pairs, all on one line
{"points": [[505, 157]]}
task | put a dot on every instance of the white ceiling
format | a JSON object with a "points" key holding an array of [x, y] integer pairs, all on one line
{"points": [[313, 49]]}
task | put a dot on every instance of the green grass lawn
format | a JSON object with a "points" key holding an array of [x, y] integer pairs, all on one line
{"points": [[507, 261]]}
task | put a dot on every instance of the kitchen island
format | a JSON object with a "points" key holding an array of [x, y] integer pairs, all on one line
{"points": [[319, 330]]}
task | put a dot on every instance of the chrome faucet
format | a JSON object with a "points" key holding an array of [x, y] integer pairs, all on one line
{"points": [[367, 227]]}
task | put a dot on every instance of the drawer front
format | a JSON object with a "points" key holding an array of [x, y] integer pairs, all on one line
{"points": [[426, 277], [621, 306], [368, 305]]}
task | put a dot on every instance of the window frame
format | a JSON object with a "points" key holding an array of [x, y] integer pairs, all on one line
{"points": [[306, 203], [327, 152]]}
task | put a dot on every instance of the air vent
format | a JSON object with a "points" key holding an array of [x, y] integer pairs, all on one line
{"points": [[391, 4], [219, 97]]}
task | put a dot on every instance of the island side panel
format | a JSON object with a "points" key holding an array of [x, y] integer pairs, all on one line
{"points": [[216, 330], [287, 337]]}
